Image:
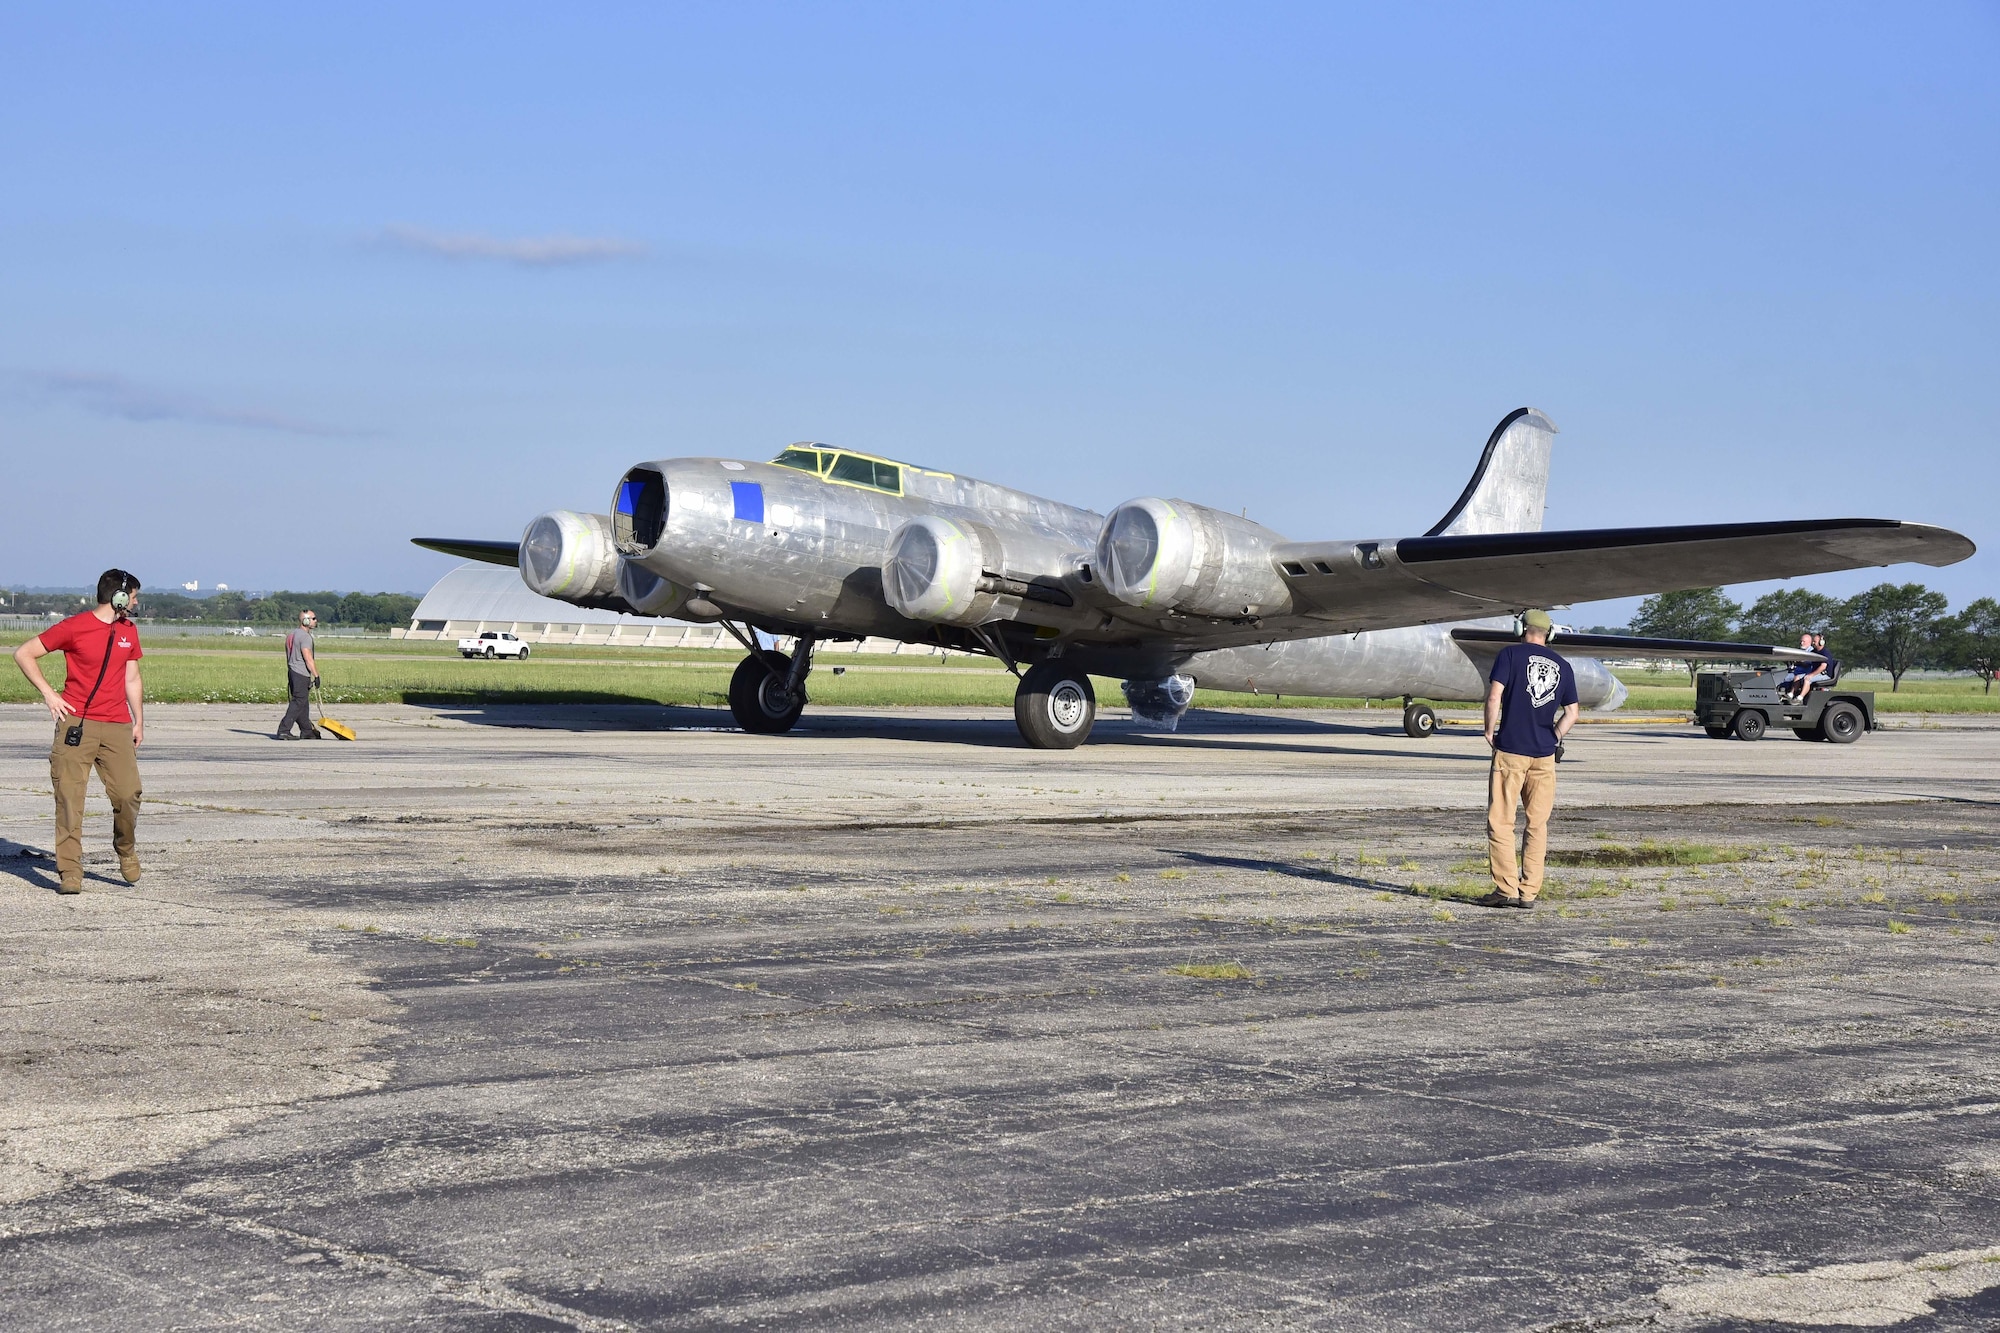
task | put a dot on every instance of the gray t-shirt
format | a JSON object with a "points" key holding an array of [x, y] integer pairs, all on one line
{"points": [[297, 644]]}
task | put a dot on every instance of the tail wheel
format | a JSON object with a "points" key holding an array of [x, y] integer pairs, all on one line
{"points": [[1842, 723], [758, 699], [1749, 725], [1054, 707], [1420, 721]]}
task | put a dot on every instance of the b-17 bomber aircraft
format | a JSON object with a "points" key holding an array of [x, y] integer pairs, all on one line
{"points": [[825, 543]]}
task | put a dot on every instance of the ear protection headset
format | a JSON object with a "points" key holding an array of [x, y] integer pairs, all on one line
{"points": [[123, 597]]}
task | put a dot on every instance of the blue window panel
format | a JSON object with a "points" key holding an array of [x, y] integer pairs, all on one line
{"points": [[749, 500], [628, 497]]}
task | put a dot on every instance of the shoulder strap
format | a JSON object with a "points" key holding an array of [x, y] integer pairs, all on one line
{"points": [[110, 641]]}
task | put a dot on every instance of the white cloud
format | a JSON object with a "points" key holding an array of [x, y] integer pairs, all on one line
{"points": [[533, 251], [116, 396]]}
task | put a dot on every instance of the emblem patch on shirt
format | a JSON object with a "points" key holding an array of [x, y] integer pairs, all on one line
{"points": [[1544, 677]]}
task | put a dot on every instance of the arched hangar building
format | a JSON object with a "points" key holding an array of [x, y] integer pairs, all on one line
{"points": [[476, 597]]}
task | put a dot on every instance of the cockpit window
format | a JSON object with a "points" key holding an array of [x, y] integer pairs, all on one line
{"points": [[869, 472], [805, 460]]}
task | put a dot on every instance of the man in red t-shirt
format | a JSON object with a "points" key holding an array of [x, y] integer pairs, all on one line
{"points": [[100, 721]]}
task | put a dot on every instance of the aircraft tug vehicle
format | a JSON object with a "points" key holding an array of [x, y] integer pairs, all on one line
{"points": [[1747, 704], [824, 543]]}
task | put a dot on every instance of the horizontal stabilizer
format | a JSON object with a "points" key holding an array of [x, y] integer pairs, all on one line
{"points": [[472, 548], [1633, 646]]}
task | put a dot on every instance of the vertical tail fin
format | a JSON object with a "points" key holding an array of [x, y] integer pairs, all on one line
{"points": [[1510, 487]]}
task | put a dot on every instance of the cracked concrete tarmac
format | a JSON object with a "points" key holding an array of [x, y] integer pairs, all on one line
{"points": [[593, 1019]]}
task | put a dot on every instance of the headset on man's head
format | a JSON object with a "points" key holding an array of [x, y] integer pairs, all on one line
{"points": [[127, 585]]}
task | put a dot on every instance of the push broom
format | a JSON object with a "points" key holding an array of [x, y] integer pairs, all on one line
{"points": [[331, 724]]}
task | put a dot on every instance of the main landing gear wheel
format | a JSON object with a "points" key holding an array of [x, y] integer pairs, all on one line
{"points": [[1419, 721], [758, 699], [1054, 707], [1749, 725]]}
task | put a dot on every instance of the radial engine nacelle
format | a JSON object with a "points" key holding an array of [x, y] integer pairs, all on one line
{"points": [[573, 558], [933, 571], [949, 569], [1177, 556]]}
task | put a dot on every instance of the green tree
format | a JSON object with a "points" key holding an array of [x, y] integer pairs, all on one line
{"points": [[1894, 627], [1975, 640], [1693, 613], [1780, 617]]}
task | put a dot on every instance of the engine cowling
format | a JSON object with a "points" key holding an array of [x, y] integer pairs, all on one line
{"points": [[648, 593], [569, 556], [932, 571], [1176, 556]]}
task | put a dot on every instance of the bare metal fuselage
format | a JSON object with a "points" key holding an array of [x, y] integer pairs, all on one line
{"points": [[804, 555], [1421, 662]]}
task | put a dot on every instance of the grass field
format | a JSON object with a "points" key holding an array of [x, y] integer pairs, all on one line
{"points": [[211, 669]]}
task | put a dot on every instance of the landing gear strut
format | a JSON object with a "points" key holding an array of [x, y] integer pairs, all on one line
{"points": [[768, 691], [1054, 706]]}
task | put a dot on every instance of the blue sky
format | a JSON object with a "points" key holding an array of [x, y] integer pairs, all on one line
{"points": [[280, 289]]}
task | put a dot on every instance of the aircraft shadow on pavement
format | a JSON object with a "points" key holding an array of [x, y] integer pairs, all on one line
{"points": [[1317, 874], [1000, 733], [1200, 730], [1254, 745], [619, 715]]}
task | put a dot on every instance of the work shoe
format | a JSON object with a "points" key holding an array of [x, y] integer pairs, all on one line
{"points": [[284, 736], [1522, 902], [129, 868], [71, 885], [312, 735], [1498, 899]]}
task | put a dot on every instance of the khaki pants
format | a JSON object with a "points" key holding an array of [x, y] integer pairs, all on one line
{"points": [[1517, 779], [107, 747]]}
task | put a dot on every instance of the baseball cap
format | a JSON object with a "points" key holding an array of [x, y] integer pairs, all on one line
{"points": [[1537, 620]]}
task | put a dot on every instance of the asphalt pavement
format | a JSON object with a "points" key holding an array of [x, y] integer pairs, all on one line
{"points": [[616, 1018]]}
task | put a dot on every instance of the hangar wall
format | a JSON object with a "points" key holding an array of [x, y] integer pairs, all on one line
{"points": [[474, 597]]}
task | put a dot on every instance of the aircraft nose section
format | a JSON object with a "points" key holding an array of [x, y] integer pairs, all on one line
{"points": [[639, 510]]}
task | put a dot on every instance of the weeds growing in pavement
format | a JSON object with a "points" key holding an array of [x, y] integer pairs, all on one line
{"points": [[1213, 971]]}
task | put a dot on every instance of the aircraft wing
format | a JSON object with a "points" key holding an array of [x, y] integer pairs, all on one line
{"points": [[473, 548], [1491, 641], [1420, 580]]}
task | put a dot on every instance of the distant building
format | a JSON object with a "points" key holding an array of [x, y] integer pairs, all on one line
{"points": [[476, 597]]}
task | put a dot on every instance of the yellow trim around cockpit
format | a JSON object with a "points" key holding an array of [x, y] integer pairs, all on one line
{"points": [[828, 457]]}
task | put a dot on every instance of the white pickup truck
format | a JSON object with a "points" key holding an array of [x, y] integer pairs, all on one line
{"points": [[493, 643]]}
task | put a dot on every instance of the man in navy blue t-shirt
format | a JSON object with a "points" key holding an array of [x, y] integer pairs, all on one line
{"points": [[1530, 706]]}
